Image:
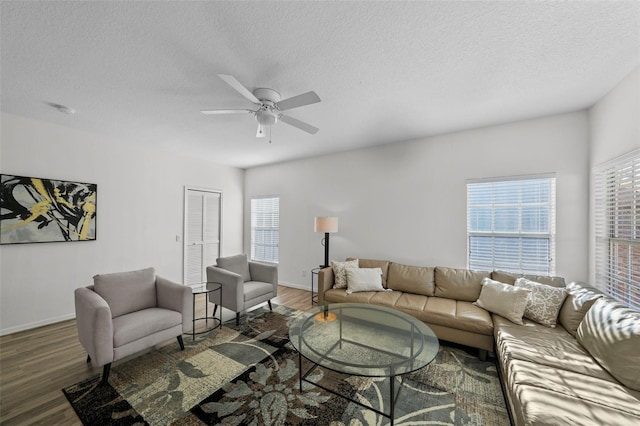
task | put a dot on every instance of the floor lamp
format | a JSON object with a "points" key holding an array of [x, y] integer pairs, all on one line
{"points": [[328, 225]]}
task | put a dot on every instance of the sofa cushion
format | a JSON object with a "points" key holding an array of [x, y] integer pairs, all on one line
{"points": [[411, 279], [544, 302], [470, 317], [364, 279], [412, 303], [127, 292], [459, 284], [340, 272], [550, 396], [511, 277], [237, 264], [610, 332], [553, 347], [503, 299], [339, 295], [579, 299], [386, 298]]}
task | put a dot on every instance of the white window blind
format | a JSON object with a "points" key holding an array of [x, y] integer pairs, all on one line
{"points": [[617, 222], [265, 229], [511, 225]]}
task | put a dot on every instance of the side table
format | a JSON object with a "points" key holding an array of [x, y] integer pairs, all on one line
{"points": [[314, 293], [206, 288]]}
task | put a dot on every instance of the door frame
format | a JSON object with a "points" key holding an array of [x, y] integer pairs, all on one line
{"points": [[184, 224]]}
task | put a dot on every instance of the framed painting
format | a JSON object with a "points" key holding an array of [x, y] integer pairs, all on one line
{"points": [[37, 210]]}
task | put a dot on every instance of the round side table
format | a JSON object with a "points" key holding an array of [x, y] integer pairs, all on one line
{"points": [[314, 280], [206, 288]]}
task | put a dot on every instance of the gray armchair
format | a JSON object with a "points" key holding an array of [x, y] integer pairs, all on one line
{"points": [[124, 313], [244, 284]]}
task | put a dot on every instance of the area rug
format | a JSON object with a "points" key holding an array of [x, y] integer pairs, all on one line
{"points": [[248, 375]]}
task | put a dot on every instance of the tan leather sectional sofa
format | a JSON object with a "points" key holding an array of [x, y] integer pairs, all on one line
{"points": [[585, 371]]}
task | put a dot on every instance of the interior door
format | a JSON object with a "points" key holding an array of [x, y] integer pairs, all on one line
{"points": [[201, 232]]}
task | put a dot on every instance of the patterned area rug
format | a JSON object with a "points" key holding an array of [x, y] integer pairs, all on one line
{"points": [[248, 375]]}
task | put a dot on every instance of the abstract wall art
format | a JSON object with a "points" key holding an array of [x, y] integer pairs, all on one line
{"points": [[36, 210]]}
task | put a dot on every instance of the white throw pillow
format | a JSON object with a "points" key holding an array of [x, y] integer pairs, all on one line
{"points": [[545, 302], [340, 273], [503, 299], [364, 279]]}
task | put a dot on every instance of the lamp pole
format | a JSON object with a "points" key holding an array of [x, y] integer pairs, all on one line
{"points": [[326, 250]]}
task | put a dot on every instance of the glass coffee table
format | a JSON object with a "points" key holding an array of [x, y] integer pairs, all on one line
{"points": [[362, 340]]}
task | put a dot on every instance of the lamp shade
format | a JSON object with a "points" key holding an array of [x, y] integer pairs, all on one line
{"points": [[325, 224]]}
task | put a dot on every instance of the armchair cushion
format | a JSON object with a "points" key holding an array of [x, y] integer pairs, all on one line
{"points": [[237, 264], [136, 325], [127, 292], [255, 289]]}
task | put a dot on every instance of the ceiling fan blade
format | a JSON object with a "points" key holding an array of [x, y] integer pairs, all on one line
{"points": [[261, 132], [299, 124], [298, 101], [225, 111], [231, 81]]}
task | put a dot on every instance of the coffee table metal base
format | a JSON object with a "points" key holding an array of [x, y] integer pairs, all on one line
{"points": [[393, 395]]}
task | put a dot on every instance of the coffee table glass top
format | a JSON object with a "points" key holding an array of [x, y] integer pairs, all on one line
{"points": [[364, 340]]}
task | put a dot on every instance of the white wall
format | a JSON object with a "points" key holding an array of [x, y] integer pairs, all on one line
{"points": [[406, 202], [140, 212], [614, 129]]}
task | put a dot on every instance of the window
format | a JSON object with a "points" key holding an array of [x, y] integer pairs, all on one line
{"points": [[617, 222], [265, 229], [511, 224]]}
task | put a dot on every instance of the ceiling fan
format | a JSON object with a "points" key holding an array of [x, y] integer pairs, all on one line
{"points": [[269, 106]]}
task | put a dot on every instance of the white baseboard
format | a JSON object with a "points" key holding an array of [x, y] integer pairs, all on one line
{"points": [[298, 286], [54, 320], [35, 324]]}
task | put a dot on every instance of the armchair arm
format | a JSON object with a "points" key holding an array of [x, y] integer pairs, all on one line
{"points": [[95, 326], [325, 282], [266, 273], [176, 297], [232, 287]]}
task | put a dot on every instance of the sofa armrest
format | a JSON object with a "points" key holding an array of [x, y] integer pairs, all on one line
{"points": [[176, 297], [265, 273], [232, 287], [95, 325], [325, 282]]}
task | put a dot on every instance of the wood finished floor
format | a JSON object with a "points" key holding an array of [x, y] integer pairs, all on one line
{"points": [[36, 364]]}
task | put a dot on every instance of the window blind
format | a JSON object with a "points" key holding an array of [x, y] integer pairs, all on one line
{"points": [[617, 223], [511, 224], [265, 229]]}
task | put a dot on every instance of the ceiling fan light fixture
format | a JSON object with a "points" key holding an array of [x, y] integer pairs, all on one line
{"points": [[266, 118]]}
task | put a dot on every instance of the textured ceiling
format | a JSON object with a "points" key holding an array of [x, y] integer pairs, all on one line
{"points": [[140, 72]]}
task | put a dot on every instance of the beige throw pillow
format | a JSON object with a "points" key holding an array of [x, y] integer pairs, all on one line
{"points": [[545, 301], [364, 279], [503, 299], [579, 300], [340, 272]]}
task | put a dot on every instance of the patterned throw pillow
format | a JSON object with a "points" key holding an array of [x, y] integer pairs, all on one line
{"points": [[340, 272], [544, 303]]}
